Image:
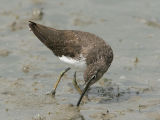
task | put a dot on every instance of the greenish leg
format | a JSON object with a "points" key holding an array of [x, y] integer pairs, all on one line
{"points": [[53, 92], [76, 85], [85, 99]]}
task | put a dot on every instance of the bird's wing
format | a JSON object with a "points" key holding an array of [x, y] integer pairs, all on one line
{"points": [[61, 42]]}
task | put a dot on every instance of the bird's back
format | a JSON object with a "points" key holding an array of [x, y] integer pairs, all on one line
{"points": [[74, 44]]}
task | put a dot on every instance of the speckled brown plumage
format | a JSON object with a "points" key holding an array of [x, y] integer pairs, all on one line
{"points": [[75, 44]]}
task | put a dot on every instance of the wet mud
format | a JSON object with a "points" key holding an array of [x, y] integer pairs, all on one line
{"points": [[129, 90]]}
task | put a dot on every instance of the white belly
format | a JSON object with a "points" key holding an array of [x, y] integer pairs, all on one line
{"points": [[81, 63]]}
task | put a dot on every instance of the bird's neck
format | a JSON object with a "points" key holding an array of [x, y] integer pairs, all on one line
{"points": [[100, 63]]}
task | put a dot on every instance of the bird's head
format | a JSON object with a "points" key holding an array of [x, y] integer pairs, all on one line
{"points": [[92, 74]]}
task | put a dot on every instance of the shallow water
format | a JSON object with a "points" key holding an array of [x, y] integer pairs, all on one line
{"points": [[129, 90]]}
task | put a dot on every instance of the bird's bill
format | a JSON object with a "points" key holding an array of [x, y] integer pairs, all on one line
{"points": [[84, 91]]}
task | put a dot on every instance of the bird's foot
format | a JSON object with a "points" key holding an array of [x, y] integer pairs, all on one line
{"points": [[52, 93]]}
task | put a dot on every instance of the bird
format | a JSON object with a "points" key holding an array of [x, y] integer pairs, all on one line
{"points": [[78, 48]]}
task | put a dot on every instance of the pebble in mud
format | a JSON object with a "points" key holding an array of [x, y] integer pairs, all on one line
{"points": [[136, 60], [103, 116], [37, 14], [141, 107], [6, 109], [80, 22], [38, 117], [16, 25], [4, 53], [26, 68]]}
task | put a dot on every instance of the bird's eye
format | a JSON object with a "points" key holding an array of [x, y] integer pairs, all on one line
{"points": [[93, 77]]}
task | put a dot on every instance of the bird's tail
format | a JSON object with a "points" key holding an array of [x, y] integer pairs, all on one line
{"points": [[45, 34]]}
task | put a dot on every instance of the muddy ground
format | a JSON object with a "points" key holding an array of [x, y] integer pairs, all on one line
{"points": [[129, 90]]}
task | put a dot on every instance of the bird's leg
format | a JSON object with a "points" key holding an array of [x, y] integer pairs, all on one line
{"points": [[76, 85], [78, 88], [53, 92]]}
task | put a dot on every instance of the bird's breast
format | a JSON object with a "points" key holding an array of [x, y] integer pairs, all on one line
{"points": [[75, 62]]}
